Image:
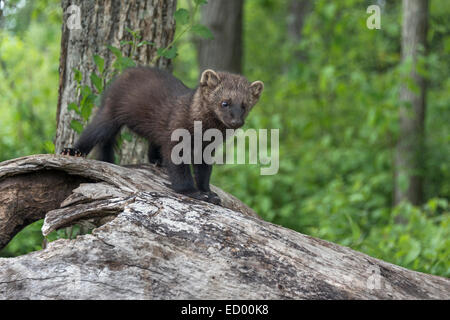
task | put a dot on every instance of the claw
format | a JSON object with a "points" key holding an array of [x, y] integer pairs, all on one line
{"points": [[210, 196], [72, 152], [196, 195]]}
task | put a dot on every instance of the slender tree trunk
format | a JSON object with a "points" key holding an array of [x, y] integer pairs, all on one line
{"points": [[1, 17], [408, 161], [104, 22], [298, 10], [224, 52]]}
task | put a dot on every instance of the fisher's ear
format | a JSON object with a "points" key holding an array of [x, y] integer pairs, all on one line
{"points": [[257, 88], [209, 78]]}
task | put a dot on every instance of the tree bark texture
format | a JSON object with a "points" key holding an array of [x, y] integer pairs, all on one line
{"points": [[224, 52], [410, 145], [152, 243], [103, 23]]}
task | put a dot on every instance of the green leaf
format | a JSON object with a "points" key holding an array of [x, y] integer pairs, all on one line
{"points": [[413, 252], [77, 75], [182, 16], [98, 100], [127, 63], [127, 136], [76, 125], [100, 63], [160, 51], [85, 93], [202, 31], [49, 147], [124, 42], [135, 34], [86, 111], [87, 100], [115, 51], [200, 2], [123, 63], [168, 53], [145, 42], [356, 231], [73, 106], [97, 82]]}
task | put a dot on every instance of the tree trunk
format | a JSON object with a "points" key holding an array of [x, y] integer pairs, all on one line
{"points": [[410, 145], [152, 243], [224, 52], [298, 10], [104, 23], [1, 17]]}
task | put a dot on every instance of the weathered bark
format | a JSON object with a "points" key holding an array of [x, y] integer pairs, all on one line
{"points": [[36, 185], [104, 23], [409, 151], [224, 52], [27, 198], [161, 245]]}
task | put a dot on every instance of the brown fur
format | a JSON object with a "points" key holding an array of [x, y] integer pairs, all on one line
{"points": [[153, 103]]}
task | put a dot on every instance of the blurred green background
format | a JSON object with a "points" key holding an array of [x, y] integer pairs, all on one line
{"points": [[337, 114]]}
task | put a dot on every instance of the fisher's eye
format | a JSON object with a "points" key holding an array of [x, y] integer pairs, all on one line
{"points": [[225, 104]]}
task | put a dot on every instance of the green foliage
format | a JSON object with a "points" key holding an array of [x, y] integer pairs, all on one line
{"points": [[30, 239], [422, 243], [27, 240], [87, 100], [182, 16], [186, 19], [28, 80], [202, 31]]}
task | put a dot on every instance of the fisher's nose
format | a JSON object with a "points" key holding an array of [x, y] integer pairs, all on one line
{"points": [[236, 123]]}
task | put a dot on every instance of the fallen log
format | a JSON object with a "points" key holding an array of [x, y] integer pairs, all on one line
{"points": [[151, 243]]}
